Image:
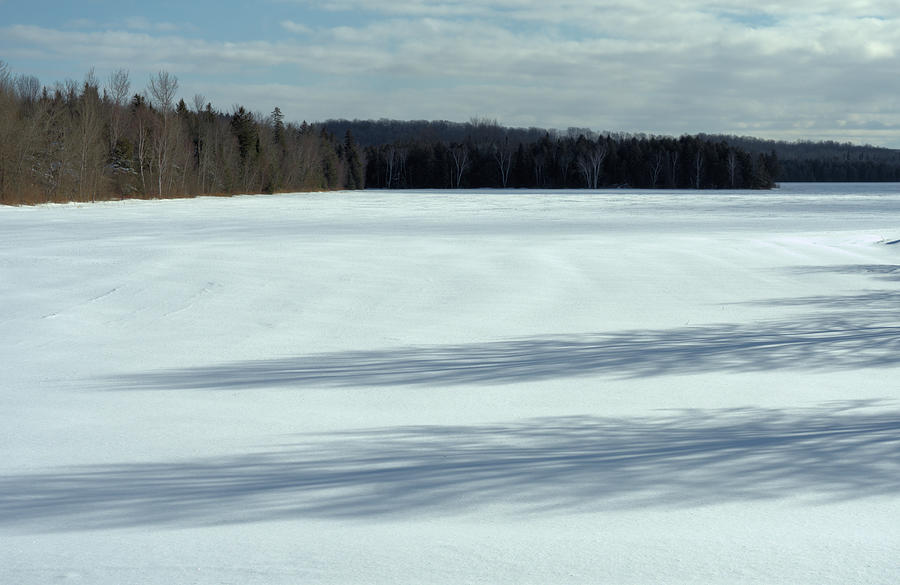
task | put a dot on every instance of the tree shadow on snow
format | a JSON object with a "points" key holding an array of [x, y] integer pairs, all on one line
{"points": [[837, 332], [824, 343], [836, 452], [863, 304], [876, 271]]}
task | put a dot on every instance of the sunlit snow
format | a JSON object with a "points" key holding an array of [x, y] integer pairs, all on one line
{"points": [[453, 387]]}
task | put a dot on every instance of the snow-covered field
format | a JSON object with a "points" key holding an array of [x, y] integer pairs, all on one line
{"points": [[453, 387]]}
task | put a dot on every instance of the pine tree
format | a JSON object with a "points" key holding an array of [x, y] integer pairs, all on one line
{"points": [[278, 125], [354, 165]]}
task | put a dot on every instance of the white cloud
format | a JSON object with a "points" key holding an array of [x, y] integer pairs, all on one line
{"points": [[142, 23], [295, 27], [130, 23], [82, 23], [140, 50], [813, 66]]}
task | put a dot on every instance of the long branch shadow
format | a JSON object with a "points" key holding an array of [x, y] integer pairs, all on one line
{"points": [[857, 331], [867, 303], [836, 452], [876, 271], [870, 300], [824, 343]]}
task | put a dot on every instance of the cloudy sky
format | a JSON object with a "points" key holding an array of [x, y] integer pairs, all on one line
{"points": [[803, 69]]}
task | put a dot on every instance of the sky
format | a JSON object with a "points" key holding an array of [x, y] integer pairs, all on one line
{"points": [[799, 70]]}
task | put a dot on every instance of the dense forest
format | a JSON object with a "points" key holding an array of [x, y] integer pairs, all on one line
{"points": [[824, 161], [90, 140], [83, 141], [780, 160], [481, 153]]}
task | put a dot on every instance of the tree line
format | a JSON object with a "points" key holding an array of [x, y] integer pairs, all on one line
{"points": [[93, 139], [824, 161], [803, 160], [90, 140], [484, 154]]}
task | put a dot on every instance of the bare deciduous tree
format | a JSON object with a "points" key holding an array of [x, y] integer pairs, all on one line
{"points": [[199, 101], [673, 167], [732, 163], [143, 120], [390, 163], [88, 141], [28, 88], [656, 167], [118, 87], [162, 90], [564, 157], [590, 162], [9, 118], [698, 168], [539, 161], [460, 155], [503, 155]]}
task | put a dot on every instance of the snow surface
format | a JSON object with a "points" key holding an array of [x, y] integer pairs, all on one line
{"points": [[453, 387]]}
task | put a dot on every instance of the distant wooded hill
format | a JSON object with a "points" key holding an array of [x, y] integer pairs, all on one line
{"points": [[824, 161], [481, 153], [794, 161], [83, 141]]}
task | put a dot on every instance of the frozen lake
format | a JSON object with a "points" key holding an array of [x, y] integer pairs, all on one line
{"points": [[453, 387]]}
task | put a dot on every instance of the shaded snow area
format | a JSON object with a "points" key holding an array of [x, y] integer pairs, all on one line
{"points": [[453, 387]]}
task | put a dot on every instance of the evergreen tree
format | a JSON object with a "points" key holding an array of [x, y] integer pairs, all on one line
{"points": [[278, 125], [354, 165]]}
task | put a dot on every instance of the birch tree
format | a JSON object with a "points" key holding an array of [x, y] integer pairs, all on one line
{"points": [[87, 143], [590, 162], [503, 154], [459, 153], [162, 90], [673, 157], [142, 123], [732, 163], [118, 86], [655, 168], [390, 163]]}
